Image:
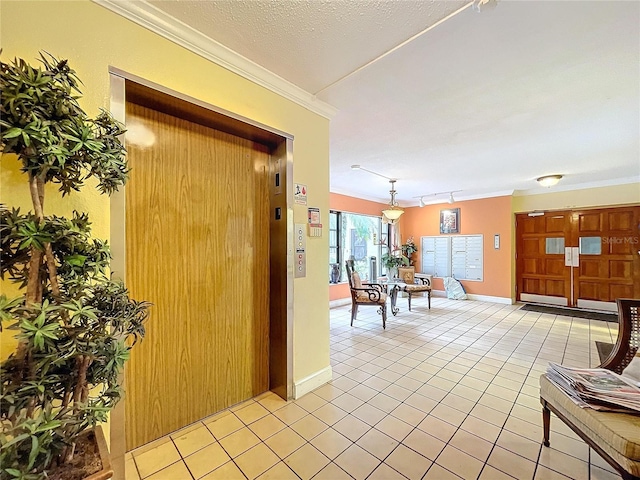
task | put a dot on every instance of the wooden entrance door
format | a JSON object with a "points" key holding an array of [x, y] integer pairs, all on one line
{"points": [[585, 258], [197, 247], [609, 263], [540, 265]]}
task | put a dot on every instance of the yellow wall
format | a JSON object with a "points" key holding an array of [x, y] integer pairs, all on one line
{"points": [[93, 39], [586, 197]]}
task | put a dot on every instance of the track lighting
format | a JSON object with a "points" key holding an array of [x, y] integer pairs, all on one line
{"points": [[449, 200]]}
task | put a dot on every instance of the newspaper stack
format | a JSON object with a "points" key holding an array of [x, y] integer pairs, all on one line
{"points": [[595, 388]]}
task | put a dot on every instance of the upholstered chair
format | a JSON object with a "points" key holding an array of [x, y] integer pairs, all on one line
{"points": [[614, 435], [370, 294], [414, 285]]}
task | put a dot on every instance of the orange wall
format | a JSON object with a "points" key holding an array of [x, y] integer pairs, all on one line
{"points": [[338, 291], [488, 217], [348, 204]]}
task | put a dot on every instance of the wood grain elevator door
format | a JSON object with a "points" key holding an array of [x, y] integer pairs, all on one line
{"points": [[197, 247]]}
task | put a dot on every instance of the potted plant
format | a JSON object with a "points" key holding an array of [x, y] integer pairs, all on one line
{"points": [[392, 262], [75, 326], [408, 249]]}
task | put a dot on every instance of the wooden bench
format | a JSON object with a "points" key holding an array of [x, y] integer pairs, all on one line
{"points": [[615, 436]]}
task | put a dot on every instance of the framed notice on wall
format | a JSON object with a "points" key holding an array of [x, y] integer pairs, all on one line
{"points": [[450, 220]]}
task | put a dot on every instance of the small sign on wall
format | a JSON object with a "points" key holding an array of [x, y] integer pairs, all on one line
{"points": [[314, 215], [300, 194], [315, 222]]}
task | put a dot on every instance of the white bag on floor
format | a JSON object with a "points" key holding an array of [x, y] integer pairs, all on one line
{"points": [[454, 289]]}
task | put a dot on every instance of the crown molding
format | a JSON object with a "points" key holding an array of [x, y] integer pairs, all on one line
{"points": [[153, 19]]}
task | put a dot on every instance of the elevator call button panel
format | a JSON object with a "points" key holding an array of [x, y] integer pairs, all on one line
{"points": [[300, 249]]}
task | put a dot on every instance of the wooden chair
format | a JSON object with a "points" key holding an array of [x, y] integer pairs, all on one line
{"points": [[370, 294], [615, 436], [414, 285]]}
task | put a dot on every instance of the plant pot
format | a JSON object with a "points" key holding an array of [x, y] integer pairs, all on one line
{"points": [[91, 441], [106, 472]]}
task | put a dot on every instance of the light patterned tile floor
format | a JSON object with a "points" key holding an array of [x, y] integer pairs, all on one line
{"points": [[446, 393]]}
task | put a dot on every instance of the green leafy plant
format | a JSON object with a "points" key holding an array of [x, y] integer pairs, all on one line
{"points": [[74, 325], [409, 248], [391, 261]]}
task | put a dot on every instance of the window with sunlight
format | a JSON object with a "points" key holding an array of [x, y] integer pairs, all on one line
{"points": [[359, 237]]}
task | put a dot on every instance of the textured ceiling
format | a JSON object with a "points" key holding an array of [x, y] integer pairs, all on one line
{"points": [[483, 103], [488, 102], [309, 43]]}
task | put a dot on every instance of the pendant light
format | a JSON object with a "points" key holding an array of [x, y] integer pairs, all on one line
{"points": [[393, 213]]}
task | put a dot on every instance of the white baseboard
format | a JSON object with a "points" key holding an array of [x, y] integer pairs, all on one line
{"points": [[595, 305], [530, 297], [339, 302], [313, 381], [440, 293], [480, 298], [490, 298]]}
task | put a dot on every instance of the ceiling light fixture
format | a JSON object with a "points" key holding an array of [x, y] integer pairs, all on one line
{"points": [[549, 180], [449, 200], [393, 212], [477, 5]]}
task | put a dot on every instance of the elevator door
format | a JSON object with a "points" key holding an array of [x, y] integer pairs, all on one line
{"points": [[197, 247], [581, 258]]}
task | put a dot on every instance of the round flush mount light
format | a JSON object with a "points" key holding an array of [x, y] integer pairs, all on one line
{"points": [[549, 180]]}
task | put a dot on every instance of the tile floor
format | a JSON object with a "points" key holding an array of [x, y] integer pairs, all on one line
{"points": [[446, 393]]}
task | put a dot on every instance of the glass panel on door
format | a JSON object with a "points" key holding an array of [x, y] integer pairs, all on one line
{"points": [[590, 245], [554, 245]]}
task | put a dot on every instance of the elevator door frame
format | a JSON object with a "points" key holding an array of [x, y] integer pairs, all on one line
{"points": [[281, 246]]}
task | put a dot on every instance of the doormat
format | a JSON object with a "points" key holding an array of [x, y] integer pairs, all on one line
{"points": [[604, 349], [571, 312]]}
